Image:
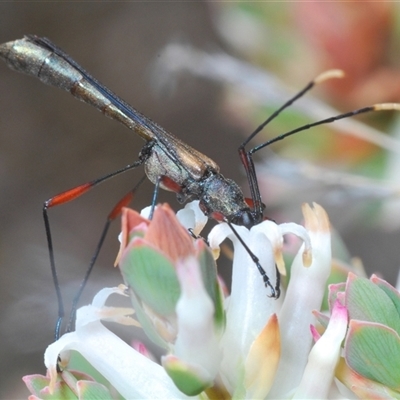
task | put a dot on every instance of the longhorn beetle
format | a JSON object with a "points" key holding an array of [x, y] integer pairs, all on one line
{"points": [[169, 163]]}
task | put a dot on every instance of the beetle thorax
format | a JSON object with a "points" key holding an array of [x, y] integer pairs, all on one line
{"points": [[222, 199]]}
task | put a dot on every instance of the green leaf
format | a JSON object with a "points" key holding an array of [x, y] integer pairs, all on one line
{"points": [[88, 390], [61, 392], [152, 277], [373, 350], [210, 280], [82, 370], [365, 301], [146, 322], [187, 378], [392, 293]]}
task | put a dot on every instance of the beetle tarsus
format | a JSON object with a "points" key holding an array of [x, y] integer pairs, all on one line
{"points": [[268, 285]]}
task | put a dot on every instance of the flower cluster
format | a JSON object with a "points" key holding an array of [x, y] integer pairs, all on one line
{"points": [[237, 345]]}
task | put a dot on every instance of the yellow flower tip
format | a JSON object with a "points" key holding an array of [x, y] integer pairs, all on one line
{"points": [[307, 257], [330, 74], [216, 253], [279, 261], [316, 218], [117, 259], [259, 375], [386, 106], [123, 289]]}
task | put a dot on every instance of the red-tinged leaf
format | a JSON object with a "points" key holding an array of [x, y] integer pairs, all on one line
{"points": [[168, 235], [373, 350], [131, 222], [365, 301], [364, 388], [334, 290], [38, 386], [35, 383]]}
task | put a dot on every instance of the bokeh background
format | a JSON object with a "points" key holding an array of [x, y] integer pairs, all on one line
{"points": [[50, 142]]}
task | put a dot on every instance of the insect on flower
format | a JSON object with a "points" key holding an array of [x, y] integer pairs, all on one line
{"points": [[169, 163]]}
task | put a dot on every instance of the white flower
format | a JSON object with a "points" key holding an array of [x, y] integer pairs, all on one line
{"points": [[246, 345]]}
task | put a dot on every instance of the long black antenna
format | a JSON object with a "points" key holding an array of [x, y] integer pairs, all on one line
{"points": [[330, 74], [375, 107], [246, 156]]}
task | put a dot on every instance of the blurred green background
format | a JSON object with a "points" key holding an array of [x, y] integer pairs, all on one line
{"points": [[50, 142]]}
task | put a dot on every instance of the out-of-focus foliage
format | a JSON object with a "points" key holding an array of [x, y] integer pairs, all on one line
{"points": [[298, 41]]}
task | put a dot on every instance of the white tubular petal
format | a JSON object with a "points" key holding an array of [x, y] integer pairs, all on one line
{"points": [[131, 373], [304, 294], [145, 213], [249, 307], [297, 230], [191, 217], [324, 356], [196, 343], [271, 230], [98, 311], [218, 234], [301, 233], [100, 298]]}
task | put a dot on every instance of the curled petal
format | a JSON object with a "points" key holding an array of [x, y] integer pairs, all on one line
{"points": [[273, 232], [132, 374], [301, 233], [218, 234], [98, 311], [191, 217]]}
